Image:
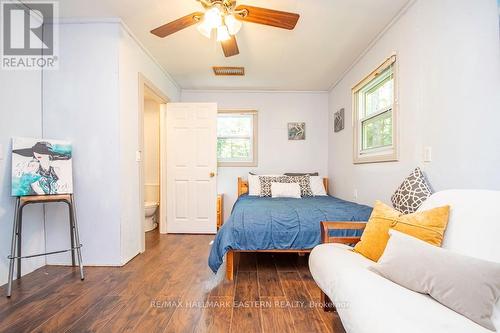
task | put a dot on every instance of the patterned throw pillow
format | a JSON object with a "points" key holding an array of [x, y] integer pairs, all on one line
{"points": [[265, 184], [304, 183], [411, 193]]}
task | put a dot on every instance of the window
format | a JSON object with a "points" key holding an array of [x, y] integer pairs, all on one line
{"points": [[374, 115], [237, 138]]}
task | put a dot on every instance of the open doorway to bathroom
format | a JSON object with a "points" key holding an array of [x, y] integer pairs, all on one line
{"points": [[151, 138], [151, 158]]}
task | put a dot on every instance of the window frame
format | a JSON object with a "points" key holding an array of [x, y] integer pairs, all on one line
{"points": [[255, 125], [379, 154]]}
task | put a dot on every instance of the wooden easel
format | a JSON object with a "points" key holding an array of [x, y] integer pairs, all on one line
{"points": [[15, 250]]}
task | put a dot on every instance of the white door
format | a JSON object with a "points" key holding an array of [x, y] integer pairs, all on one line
{"points": [[191, 167]]}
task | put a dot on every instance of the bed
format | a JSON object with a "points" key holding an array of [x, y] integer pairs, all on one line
{"points": [[264, 224]]}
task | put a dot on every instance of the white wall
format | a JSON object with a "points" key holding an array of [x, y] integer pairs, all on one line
{"points": [[132, 61], [151, 152], [276, 153], [81, 105], [20, 115], [93, 101], [449, 82]]}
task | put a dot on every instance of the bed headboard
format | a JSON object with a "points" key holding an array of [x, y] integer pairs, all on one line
{"points": [[243, 185]]}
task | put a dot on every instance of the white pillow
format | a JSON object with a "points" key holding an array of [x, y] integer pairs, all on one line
{"points": [[467, 285], [285, 190], [254, 184], [317, 186]]}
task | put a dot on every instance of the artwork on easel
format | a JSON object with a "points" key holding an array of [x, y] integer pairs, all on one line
{"points": [[41, 167]]}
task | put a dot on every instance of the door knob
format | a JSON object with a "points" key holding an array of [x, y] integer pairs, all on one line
{"points": [[212, 174]]}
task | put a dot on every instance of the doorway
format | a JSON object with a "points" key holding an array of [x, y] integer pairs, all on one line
{"points": [[151, 158]]}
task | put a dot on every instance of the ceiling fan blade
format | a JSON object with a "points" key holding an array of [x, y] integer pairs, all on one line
{"points": [[177, 25], [270, 17], [230, 47]]}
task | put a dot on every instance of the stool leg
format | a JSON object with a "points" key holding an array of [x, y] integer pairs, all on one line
{"points": [[13, 249], [19, 231], [72, 234], [77, 238]]}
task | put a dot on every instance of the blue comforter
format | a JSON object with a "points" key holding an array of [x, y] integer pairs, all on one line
{"points": [[258, 223]]}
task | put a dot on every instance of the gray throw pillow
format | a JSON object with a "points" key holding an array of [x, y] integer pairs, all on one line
{"points": [[412, 193], [464, 284]]}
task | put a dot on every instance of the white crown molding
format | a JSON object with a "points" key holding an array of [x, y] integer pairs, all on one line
{"points": [[88, 20], [379, 36], [253, 91], [146, 51]]}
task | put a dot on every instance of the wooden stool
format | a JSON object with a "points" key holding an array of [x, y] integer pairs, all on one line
{"points": [[21, 202]]}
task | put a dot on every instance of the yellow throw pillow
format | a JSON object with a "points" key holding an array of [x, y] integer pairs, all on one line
{"points": [[428, 226]]}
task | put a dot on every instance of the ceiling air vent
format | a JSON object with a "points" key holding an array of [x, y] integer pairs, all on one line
{"points": [[229, 71]]}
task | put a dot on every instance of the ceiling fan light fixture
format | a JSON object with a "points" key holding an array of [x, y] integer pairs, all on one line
{"points": [[226, 18], [205, 29], [213, 17], [222, 33], [233, 25]]}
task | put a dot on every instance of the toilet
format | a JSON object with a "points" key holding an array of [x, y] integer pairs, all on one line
{"points": [[150, 209]]}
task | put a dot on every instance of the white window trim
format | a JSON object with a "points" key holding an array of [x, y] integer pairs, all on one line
{"points": [[254, 161], [380, 154], [360, 124]]}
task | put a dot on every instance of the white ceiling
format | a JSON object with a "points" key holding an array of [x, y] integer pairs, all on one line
{"points": [[329, 36]]}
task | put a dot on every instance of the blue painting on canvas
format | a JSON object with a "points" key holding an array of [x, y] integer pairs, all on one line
{"points": [[41, 167]]}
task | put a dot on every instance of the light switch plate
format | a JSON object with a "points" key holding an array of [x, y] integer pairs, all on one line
{"points": [[428, 154], [138, 156]]}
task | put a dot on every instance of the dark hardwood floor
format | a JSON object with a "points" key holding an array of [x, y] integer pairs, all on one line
{"points": [[166, 289]]}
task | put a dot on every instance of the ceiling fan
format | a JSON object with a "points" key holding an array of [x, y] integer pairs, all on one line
{"points": [[224, 17]]}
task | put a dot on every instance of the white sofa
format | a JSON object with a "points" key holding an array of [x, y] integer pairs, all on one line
{"points": [[367, 302]]}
